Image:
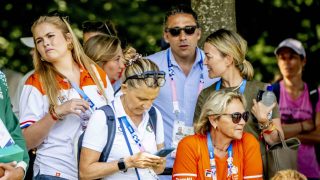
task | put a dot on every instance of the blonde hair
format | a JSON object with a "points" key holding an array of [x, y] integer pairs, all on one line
{"points": [[288, 174], [102, 48], [232, 44], [48, 73], [215, 104], [136, 64]]}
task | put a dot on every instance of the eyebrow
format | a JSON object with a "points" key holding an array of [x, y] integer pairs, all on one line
{"points": [[43, 36]]}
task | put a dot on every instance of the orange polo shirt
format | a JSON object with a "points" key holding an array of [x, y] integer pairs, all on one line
{"points": [[193, 161]]}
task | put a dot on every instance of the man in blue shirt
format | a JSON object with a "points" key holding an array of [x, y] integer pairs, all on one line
{"points": [[185, 75]]}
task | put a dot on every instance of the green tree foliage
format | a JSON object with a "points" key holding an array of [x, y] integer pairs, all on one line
{"points": [[264, 23]]}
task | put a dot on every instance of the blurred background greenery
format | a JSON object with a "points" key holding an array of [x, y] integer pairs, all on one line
{"points": [[263, 23]]}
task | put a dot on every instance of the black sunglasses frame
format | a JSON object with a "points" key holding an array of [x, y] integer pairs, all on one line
{"points": [[237, 116], [156, 75], [176, 31], [89, 26], [59, 14]]}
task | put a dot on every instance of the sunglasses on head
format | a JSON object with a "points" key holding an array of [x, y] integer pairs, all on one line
{"points": [[236, 116], [58, 14], [189, 30], [151, 78], [89, 26]]}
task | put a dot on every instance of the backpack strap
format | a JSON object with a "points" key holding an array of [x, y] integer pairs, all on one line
{"points": [[111, 123], [314, 97], [276, 90], [153, 120]]}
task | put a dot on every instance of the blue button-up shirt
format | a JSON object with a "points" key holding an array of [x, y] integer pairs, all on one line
{"points": [[187, 93]]}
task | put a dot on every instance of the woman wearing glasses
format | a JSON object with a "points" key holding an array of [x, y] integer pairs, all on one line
{"points": [[225, 57], [58, 98], [106, 51], [135, 142], [220, 149]]}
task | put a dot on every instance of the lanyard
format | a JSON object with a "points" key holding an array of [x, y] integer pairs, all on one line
{"points": [[133, 133], [175, 101], [241, 88], [83, 95], [212, 161], [127, 141]]}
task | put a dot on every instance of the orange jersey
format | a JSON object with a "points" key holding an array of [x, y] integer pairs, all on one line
{"points": [[193, 161]]}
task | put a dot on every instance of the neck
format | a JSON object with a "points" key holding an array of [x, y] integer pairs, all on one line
{"points": [[185, 62], [136, 119], [69, 68], [232, 78], [219, 141], [294, 85]]}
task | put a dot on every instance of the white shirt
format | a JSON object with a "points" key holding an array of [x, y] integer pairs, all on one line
{"points": [[96, 136]]}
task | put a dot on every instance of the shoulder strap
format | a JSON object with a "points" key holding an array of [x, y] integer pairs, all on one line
{"points": [[276, 90], [111, 123], [314, 97], [153, 120]]}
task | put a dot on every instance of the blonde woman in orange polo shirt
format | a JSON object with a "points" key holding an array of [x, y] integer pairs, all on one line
{"points": [[220, 149]]}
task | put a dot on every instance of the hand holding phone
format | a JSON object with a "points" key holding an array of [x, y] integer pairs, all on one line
{"points": [[164, 152]]}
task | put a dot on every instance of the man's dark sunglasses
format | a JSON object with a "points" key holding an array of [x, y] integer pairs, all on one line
{"points": [[236, 116], [89, 26], [151, 78], [189, 30]]}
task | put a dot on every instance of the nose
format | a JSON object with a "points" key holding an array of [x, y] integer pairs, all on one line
{"points": [[205, 62], [46, 42], [182, 35]]}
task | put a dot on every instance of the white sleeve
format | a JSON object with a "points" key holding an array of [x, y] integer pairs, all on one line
{"points": [[32, 106], [96, 134], [160, 130]]}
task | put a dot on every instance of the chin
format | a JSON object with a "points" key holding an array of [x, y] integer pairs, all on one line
{"points": [[238, 136]]}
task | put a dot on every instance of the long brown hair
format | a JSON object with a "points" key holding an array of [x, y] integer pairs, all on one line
{"points": [[48, 73]]}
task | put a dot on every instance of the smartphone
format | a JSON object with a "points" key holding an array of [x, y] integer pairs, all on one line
{"points": [[259, 95], [164, 152]]}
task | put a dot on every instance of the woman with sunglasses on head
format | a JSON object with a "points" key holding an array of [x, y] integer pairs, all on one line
{"points": [[220, 149], [225, 57], [106, 51], [93, 28], [57, 100], [136, 140]]}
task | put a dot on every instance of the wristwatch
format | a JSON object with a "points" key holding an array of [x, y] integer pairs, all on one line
{"points": [[122, 165]]}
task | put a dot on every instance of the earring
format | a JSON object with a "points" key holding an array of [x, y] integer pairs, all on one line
{"points": [[70, 46], [42, 59]]}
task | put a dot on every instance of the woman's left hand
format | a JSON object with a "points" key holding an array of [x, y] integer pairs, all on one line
{"points": [[260, 111]]}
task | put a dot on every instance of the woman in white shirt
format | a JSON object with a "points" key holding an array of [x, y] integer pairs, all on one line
{"points": [[141, 84]]}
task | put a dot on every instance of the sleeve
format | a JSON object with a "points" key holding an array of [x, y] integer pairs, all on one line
{"points": [[185, 164], [12, 124], [252, 155], [199, 104], [32, 106], [96, 134], [160, 130]]}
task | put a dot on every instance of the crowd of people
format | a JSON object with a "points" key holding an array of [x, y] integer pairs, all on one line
{"points": [[94, 110]]}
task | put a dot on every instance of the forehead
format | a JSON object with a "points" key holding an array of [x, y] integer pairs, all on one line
{"points": [[145, 92], [235, 106], [286, 50], [181, 20], [44, 28]]}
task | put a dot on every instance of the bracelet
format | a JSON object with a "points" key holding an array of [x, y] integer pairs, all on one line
{"points": [[270, 129], [264, 126]]}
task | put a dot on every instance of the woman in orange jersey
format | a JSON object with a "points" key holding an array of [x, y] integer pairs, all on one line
{"points": [[57, 100], [220, 149]]}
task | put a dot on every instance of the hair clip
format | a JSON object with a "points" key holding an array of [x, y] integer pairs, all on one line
{"points": [[59, 14], [132, 60]]}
